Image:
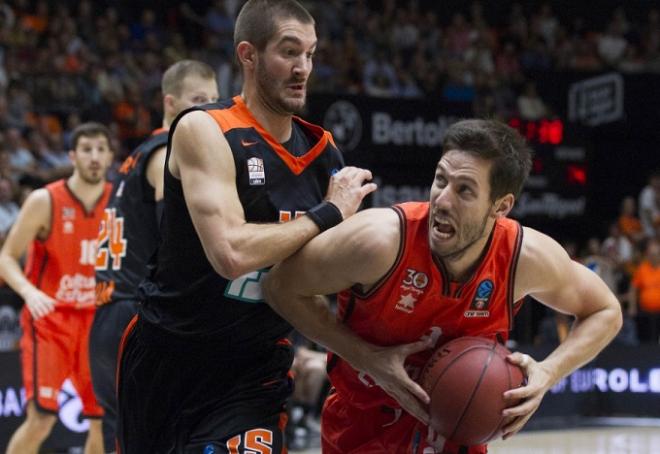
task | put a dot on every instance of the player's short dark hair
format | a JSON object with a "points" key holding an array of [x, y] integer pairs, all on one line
{"points": [[257, 21], [497, 142], [90, 129], [173, 77]]}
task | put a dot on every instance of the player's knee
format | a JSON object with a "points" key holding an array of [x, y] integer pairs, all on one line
{"points": [[40, 424]]}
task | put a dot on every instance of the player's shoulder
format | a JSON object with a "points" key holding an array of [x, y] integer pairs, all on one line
{"points": [[37, 207], [38, 198], [412, 211], [373, 230], [541, 257]]}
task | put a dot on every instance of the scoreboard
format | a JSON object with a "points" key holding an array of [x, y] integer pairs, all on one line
{"points": [[554, 198]]}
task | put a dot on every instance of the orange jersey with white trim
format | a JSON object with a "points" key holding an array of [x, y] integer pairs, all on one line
{"points": [[416, 299], [62, 266]]}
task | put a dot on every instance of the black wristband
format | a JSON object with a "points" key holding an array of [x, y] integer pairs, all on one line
{"points": [[325, 215]]}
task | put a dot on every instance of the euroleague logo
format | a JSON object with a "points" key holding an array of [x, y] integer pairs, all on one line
{"points": [[479, 305], [344, 121]]}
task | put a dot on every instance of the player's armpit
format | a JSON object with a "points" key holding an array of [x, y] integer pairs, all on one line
{"points": [[155, 168]]}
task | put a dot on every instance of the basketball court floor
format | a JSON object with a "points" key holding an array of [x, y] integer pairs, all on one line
{"points": [[610, 440]]}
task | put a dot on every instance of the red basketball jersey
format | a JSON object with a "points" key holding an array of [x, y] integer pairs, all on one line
{"points": [[416, 299], [62, 266]]}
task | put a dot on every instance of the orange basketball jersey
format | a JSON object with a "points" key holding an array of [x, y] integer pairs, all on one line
{"points": [[62, 266], [416, 299]]}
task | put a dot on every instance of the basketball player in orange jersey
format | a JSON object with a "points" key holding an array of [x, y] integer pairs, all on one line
{"points": [[420, 274], [129, 233], [59, 224]]}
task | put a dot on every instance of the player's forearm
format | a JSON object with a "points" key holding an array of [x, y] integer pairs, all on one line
{"points": [[12, 273], [587, 338], [250, 247], [312, 317]]}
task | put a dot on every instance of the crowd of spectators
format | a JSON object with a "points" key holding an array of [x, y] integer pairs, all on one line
{"points": [[105, 60], [65, 62]]}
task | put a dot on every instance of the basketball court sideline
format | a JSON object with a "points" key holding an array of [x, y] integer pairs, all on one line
{"points": [[611, 440]]}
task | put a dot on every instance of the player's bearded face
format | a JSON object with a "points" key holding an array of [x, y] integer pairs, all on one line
{"points": [[286, 96], [283, 67], [91, 158], [460, 206], [468, 231]]}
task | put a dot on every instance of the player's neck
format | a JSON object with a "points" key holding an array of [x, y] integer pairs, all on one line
{"points": [[87, 193], [462, 265], [277, 124]]}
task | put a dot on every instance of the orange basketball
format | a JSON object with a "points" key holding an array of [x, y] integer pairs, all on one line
{"points": [[465, 379]]}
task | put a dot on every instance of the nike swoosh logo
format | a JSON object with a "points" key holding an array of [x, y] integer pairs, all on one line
{"points": [[248, 143]]}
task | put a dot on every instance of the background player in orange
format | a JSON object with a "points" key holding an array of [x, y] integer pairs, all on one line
{"points": [[235, 171], [59, 224], [129, 232], [423, 273]]}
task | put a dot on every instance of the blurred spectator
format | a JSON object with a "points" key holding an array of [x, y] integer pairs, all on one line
{"points": [[585, 57], [628, 222], [618, 247], [133, 118], [612, 44], [602, 265], [21, 159], [8, 208], [546, 24], [644, 294], [507, 64], [51, 163], [530, 105], [459, 36], [649, 204], [553, 329], [632, 61], [379, 76]]}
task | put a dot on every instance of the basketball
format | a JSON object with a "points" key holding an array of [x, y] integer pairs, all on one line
{"points": [[465, 379]]}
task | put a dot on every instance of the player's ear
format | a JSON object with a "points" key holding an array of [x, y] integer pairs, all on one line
{"points": [[246, 54], [168, 101], [503, 205]]}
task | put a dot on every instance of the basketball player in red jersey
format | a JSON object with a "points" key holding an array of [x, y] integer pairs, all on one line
{"points": [[421, 274], [59, 224]]}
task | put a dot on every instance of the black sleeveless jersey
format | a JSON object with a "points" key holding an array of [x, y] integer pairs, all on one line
{"points": [[128, 235], [184, 295]]}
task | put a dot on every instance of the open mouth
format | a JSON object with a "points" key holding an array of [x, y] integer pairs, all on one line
{"points": [[443, 229]]}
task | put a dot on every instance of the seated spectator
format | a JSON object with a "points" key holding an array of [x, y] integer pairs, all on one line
{"points": [[628, 222], [530, 105], [600, 264], [612, 45], [8, 208], [644, 295], [618, 248], [379, 76], [649, 205], [22, 161]]}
